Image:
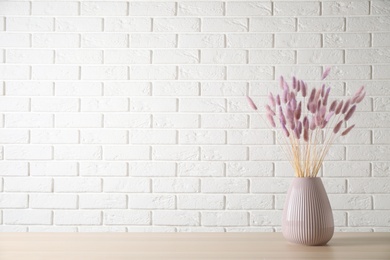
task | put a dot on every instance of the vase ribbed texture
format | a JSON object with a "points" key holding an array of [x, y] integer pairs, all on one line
{"points": [[307, 215]]}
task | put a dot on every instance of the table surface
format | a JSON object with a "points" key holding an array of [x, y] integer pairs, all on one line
{"points": [[99, 246]]}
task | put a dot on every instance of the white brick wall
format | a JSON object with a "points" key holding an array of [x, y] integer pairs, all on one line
{"points": [[130, 116]]}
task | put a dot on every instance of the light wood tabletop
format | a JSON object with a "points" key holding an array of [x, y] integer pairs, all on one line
{"points": [[108, 246]]}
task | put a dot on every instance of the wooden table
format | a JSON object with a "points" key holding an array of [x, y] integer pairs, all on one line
{"points": [[108, 246]]}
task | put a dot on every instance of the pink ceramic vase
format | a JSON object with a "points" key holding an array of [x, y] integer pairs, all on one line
{"points": [[307, 215]]}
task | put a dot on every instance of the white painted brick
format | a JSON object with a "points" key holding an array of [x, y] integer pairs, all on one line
{"points": [[381, 201], [104, 72], [193, 72], [380, 40], [335, 185], [368, 218], [126, 217], [246, 169], [143, 136], [14, 8], [346, 40], [153, 40], [176, 153], [370, 56], [76, 88], [29, 88], [298, 40], [153, 104], [176, 185], [296, 8], [175, 56], [55, 8], [270, 185], [225, 185], [76, 152], [225, 25], [153, 72], [249, 229], [321, 24], [13, 229], [11, 72], [54, 104], [175, 121], [104, 8], [249, 72], [103, 136], [248, 8], [108, 40], [14, 104], [381, 71], [381, 104], [149, 201], [266, 218], [13, 168], [152, 8], [201, 202], [53, 201], [223, 88], [15, 40], [2, 24], [27, 217], [202, 137], [28, 152], [347, 202], [13, 201], [51, 229], [209, 8], [249, 40], [272, 57], [179, 88], [120, 153], [250, 137], [272, 24], [127, 57], [103, 201], [213, 105], [346, 169], [224, 121], [30, 24], [14, 136], [368, 185], [127, 89], [249, 202], [84, 120], [101, 229], [29, 56], [380, 169], [381, 137], [57, 72], [127, 120], [79, 24], [346, 8], [375, 153], [224, 153], [127, 185], [200, 229], [201, 40], [104, 104], [127, 24], [77, 217], [77, 184], [309, 72], [103, 169], [373, 88], [379, 7], [152, 169], [74, 56], [176, 218], [27, 184], [366, 23], [219, 56], [53, 168], [176, 25], [320, 56], [225, 218], [53, 40], [54, 136], [200, 169], [27, 120]]}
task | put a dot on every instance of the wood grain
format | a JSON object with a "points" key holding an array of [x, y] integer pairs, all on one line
{"points": [[99, 246]]}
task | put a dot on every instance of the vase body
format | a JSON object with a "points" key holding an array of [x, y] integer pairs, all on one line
{"points": [[307, 215]]}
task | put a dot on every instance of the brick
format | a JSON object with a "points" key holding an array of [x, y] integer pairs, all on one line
{"points": [[249, 137], [346, 40], [81, 56], [153, 104], [365, 23], [176, 218], [346, 8], [224, 121], [248, 9], [79, 24], [127, 185], [176, 153], [246, 169], [55, 8], [77, 88], [13, 168], [13, 201], [201, 41], [103, 169], [104, 72], [266, 218], [224, 89], [296, 9], [249, 72], [298, 40], [218, 56], [30, 56], [57, 72], [248, 202], [228, 153], [153, 40], [54, 136], [225, 25], [127, 89], [14, 104], [321, 24], [201, 202], [200, 8], [381, 201], [202, 137], [15, 40], [309, 72], [175, 121], [176, 25], [14, 8], [368, 185], [270, 185], [103, 201], [249, 40], [176, 185], [14, 72], [151, 137], [127, 217], [152, 169], [346, 169], [29, 88], [76, 152], [152, 201], [213, 105], [272, 24], [27, 184], [193, 72], [175, 56], [200, 169], [118, 153], [374, 152], [53, 168], [53, 201], [335, 185], [127, 24], [320, 56], [28, 120], [127, 57], [27, 217], [77, 217], [380, 71], [28, 152], [103, 136], [98, 104], [104, 8], [380, 39], [367, 56], [127, 120], [52, 229], [101, 229], [272, 57], [84, 120], [152, 8], [225, 185], [380, 169], [175, 88], [14, 136], [379, 7], [54, 40], [30, 24], [381, 136], [225, 219], [54, 104], [107, 40], [347, 202], [368, 218], [153, 72], [77, 184]]}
